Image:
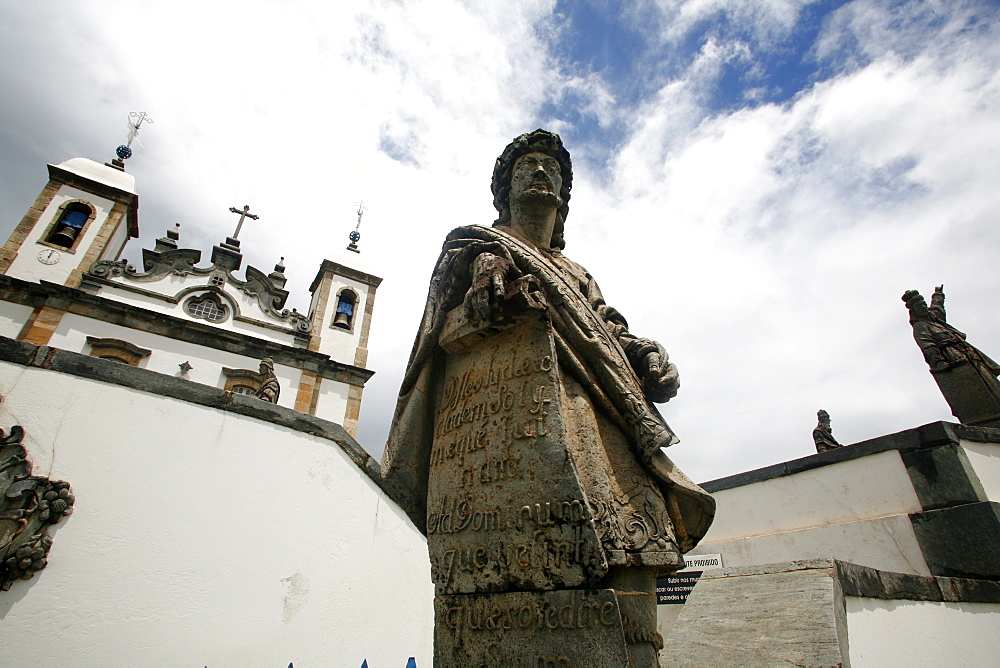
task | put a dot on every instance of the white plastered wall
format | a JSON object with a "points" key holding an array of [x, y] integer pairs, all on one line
{"points": [[26, 265], [921, 633], [13, 318], [857, 489], [856, 511], [985, 461], [886, 543], [205, 538], [116, 244], [332, 403], [167, 354]]}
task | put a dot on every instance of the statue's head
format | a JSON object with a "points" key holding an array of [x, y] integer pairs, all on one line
{"points": [[267, 366], [917, 305], [539, 141], [824, 417]]}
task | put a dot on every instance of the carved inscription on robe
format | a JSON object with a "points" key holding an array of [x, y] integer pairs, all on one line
{"points": [[504, 506]]}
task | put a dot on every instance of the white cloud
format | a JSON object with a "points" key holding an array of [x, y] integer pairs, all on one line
{"points": [[766, 248]]}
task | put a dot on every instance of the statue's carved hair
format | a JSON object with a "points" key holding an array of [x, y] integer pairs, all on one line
{"points": [[539, 141]]}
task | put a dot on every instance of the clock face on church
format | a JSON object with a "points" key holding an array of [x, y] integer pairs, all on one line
{"points": [[49, 256]]}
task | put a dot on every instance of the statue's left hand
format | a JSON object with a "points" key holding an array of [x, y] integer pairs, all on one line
{"points": [[660, 380]]}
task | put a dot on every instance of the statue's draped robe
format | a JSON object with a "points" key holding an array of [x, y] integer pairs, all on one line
{"points": [[645, 510], [944, 346]]}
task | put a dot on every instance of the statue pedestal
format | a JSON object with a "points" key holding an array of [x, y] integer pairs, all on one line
{"points": [[973, 400], [518, 568], [581, 627]]}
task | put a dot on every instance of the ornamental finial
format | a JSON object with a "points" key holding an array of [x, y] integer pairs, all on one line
{"points": [[355, 236]]}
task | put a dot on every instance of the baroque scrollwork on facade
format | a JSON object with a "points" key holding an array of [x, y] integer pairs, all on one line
{"points": [[29, 505], [181, 262]]}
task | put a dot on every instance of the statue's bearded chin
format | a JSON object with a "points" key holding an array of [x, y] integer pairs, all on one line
{"points": [[536, 197]]}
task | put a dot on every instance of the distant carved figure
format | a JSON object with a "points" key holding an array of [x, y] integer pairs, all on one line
{"points": [[943, 346], [823, 434], [269, 389], [966, 377]]}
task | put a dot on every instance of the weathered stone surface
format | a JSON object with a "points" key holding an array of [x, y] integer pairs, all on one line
{"points": [[547, 628], [525, 437], [966, 377], [961, 541], [29, 505], [505, 509], [769, 619], [823, 434]]}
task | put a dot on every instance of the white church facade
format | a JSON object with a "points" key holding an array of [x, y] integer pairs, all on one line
{"points": [[208, 527]]}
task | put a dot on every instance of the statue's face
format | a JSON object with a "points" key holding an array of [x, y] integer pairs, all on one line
{"points": [[919, 308], [537, 175]]}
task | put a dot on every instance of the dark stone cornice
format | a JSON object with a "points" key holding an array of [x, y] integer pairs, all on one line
{"points": [[134, 317], [345, 271], [116, 373], [929, 435]]}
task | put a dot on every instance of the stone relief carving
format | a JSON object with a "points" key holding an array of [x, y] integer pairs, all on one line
{"points": [[526, 445], [823, 434], [29, 505]]}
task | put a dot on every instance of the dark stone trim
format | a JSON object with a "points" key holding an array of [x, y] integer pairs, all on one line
{"points": [[920, 438], [115, 373], [943, 477], [134, 317], [961, 541], [865, 582], [346, 272]]}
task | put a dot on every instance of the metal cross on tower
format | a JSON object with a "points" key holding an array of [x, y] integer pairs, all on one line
{"points": [[244, 213]]}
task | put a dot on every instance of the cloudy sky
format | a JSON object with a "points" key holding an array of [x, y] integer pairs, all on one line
{"points": [[757, 181]]}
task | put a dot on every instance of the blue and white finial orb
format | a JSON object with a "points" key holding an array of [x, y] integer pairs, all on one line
{"points": [[355, 236], [123, 152]]}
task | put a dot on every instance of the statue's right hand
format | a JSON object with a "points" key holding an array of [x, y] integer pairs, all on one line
{"points": [[482, 301]]}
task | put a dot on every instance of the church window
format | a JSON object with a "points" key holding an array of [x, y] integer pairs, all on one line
{"points": [[344, 315], [117, 350], [242, 381], [217, 281], [207, 306], [65, 231]]}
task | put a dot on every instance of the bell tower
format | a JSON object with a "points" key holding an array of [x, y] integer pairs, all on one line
{"points": [[85, 213]]}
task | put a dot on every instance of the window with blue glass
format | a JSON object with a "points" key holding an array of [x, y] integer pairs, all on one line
{"points": [[344, 315]]}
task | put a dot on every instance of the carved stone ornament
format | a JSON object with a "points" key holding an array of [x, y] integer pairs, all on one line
{"points": [[182, 261], [29, 505]]}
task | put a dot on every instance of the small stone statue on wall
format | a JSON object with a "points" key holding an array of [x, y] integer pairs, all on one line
{"points": [[966, 377], [823, 434], [269, 388]]}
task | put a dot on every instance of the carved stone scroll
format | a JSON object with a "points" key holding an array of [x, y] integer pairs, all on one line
{"points": [[29, 505], [505, 510]]}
